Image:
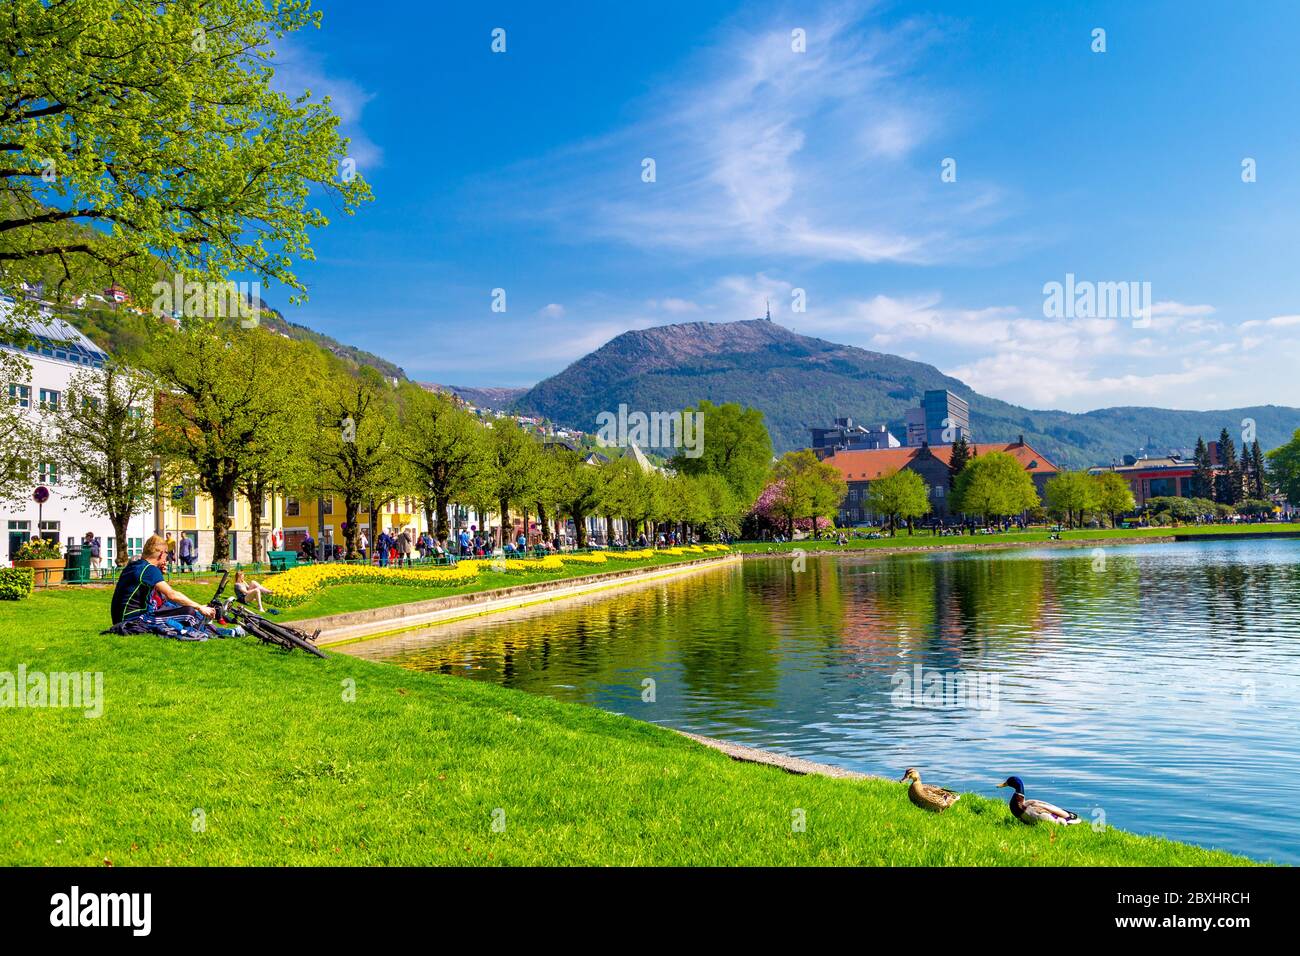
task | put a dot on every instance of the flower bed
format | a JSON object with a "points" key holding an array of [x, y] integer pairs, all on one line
{"points": [[582, 557], [645, 554], [298, 584]]}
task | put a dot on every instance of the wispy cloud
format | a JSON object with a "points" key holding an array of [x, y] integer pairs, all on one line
{"points": [[299, 69], [759, 148]]}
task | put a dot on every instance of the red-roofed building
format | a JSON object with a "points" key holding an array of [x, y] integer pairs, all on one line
{"points": [[860, 468]]}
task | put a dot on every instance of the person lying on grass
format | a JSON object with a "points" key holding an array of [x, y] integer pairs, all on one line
{"points": [[142, 598], [246, 589]]}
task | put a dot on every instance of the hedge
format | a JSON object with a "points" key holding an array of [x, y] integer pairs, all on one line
{"points": [[15, 583]]}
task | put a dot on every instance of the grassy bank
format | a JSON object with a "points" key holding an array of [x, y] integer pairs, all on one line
{"points": [[232, 753], [923, 539]]}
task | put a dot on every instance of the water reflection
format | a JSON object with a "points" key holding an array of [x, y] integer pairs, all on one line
{"points": [[1155, 683]]}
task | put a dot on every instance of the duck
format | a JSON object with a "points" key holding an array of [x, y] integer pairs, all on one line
{"points": [[1031, 812], [934, 799]]}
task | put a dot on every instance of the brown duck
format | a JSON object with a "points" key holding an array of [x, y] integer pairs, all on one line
{"points": [[935, 799]]}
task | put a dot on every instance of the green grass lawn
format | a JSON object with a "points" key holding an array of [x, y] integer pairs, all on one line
{"points": [[230, 752], [923, 539], [342, 598]]}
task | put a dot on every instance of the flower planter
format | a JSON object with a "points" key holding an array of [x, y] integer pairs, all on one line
{"points": [[45, 571]]}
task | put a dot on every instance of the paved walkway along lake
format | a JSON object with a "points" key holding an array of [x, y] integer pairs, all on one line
{"points": [[1152, 687]]}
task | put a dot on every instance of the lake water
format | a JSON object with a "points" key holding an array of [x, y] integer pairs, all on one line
{"points": [[1157, 684]]}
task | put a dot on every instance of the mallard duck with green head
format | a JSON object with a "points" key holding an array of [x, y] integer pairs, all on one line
{"points": [[1036, 811], [935, 799]]}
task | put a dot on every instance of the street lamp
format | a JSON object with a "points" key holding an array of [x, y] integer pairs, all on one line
{"points": [[157, 496]]}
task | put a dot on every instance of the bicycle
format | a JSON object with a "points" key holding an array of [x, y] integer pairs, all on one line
{"points": [[268, 632]]}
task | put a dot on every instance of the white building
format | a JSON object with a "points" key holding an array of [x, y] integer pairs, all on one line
{"points": [[59, 352]]}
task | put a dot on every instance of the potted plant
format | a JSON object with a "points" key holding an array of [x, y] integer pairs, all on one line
{"points": [[43, 557]]}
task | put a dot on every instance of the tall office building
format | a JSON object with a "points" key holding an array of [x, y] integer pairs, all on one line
{"points": [[947, 417]]}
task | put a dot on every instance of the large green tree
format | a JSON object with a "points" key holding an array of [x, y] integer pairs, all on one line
{"points": [[902, 494], [1228, 482], [577, 491], [994, 485], [104, 440], [1069, 494], [1284, 468], [1203, 478], [1258, 473], [734, 444], [141, 138], [444, 450], [20, 432], [351, 448], [807, 488], [1114, 496], [514, 458], [220, 387]]}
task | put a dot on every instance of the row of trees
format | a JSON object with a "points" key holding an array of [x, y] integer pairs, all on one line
{"points": [[236, 412], [1235, 479], [1072, 494]]}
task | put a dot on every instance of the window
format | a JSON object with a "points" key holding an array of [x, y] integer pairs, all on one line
{"points": [[20, 395], [188, 507], [134, 547], [49, 530], [108, 549], [292, 507], [49, 471], [327, 506], [89, 403], [49, 400]]}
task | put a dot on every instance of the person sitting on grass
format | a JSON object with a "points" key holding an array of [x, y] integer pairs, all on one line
{"points": [[246, 589], [143, 602]]}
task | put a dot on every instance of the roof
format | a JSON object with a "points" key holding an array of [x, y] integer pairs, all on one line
{"points": [[1150, 464], [57, 338], [868, 464]]}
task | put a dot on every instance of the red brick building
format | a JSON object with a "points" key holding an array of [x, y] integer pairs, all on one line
{"points": [[860, 468]]}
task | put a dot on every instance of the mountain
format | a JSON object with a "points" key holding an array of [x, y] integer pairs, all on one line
{"points": [[498, 399], [119, 331], [797, 381]]}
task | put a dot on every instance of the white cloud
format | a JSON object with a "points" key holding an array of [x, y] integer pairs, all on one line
{"points": [[551, 311], [760, 149], [298, 69]]}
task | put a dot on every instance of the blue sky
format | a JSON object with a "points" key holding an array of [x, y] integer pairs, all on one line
{"points": [[820, 170]]}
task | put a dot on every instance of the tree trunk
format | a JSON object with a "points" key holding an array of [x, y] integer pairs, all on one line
{"points": [[541, 519], [580, 529], [440, 505], [221, 495], [351, 509], [255, 507], [505, 521], [120, 524], [609, 529]]}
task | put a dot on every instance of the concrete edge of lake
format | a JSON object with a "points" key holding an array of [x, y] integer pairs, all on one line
{"points": [[848, 550], [371, 623], [795, 765]]}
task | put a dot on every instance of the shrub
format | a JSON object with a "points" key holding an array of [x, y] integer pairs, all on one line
{"points": [[37, 549], [15, 583]]}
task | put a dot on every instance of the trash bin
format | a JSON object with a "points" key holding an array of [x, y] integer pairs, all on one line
{"points": [[76, 569]]}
